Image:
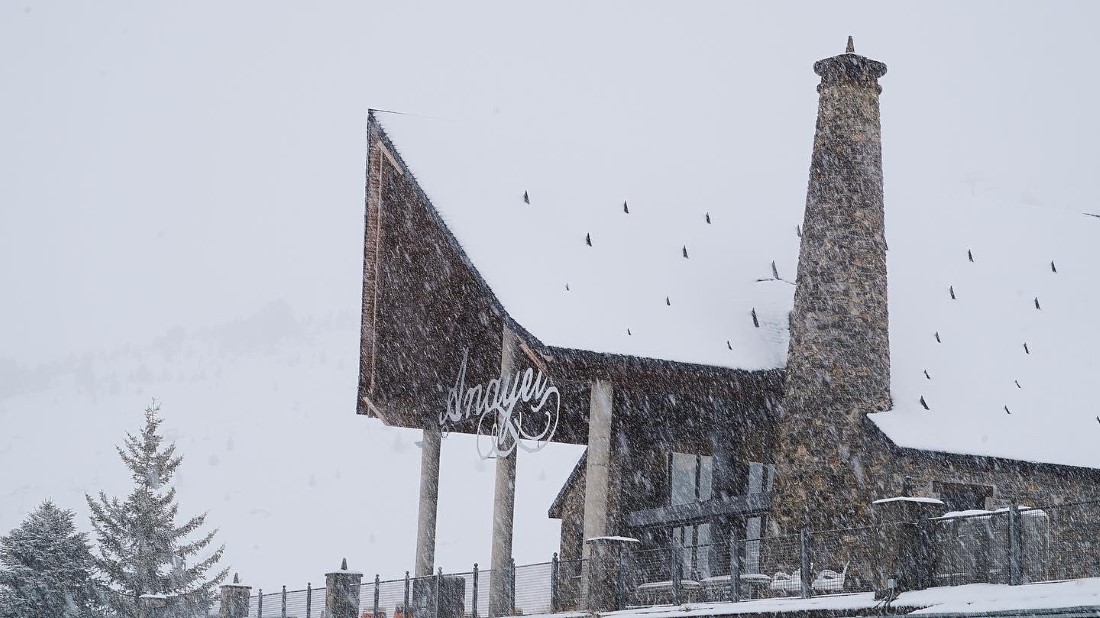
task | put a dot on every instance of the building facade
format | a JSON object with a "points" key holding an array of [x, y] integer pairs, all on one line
{"points": [[681, 451]]}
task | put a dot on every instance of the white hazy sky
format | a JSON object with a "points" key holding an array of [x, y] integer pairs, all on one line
{"points": [[185, 168]]}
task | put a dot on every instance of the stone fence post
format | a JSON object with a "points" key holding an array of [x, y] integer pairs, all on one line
{"points": [[904, 544], [342, 592], [234, 599], [605, 571]]}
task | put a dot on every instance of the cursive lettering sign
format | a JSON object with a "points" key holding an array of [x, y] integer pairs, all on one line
{"points": [[501, 425]]}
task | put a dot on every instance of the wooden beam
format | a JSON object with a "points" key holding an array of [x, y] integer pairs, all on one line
{"points": [[698, 512]]}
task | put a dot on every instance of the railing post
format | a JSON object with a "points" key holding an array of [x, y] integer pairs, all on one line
{"points": [[438, 588], [377, 586], [234, 599], [343, 592], [1014, 542], [677, 563], [283, 613], [554, 583], [405, 610], [735, 566], [309, 599], [512, 587], [473, 598], [260, 604], [620, 579], [804, 541]]}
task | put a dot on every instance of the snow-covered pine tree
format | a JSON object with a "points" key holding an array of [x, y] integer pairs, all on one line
{"points": [[141, 549], [46, 568]]}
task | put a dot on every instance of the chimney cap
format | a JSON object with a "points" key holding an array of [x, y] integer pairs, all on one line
{"points": [[850, 67]]}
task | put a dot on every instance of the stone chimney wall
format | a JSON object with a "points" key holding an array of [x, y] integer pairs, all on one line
{"points": [[838, 366]]}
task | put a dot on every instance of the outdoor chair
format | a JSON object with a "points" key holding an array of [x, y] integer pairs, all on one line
{"points": [[830, 581], [787, 584], [718, 586], [657, 593]]}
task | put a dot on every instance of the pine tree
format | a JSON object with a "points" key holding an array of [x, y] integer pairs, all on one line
{"points": [[141, 549], [46, 568]]}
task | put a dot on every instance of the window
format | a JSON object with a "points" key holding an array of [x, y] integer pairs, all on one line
{"points": [[690, 478]]}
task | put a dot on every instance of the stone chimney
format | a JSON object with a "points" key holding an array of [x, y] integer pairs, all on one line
{"points": [[838, 363]]}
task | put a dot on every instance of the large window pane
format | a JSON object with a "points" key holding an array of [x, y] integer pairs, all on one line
{"points": [[702, 568], [706, 476], [683, 478]]}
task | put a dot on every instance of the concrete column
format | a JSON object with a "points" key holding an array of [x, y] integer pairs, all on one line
{"points": [[598, 487], [500, 582], [342, 592], [501, 586], [234, 599], [429, 500], [599, 492]]}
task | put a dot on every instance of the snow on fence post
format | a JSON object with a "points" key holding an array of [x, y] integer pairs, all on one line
{"points": [[152, 605], [309, 599], [260, 604], [1014, 542], [554, 583], [283, 614], [735, 566], [342, 592], [234, 599], [804, 563]]}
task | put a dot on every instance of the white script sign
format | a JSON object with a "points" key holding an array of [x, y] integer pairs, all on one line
{"points": [[501, 427]]}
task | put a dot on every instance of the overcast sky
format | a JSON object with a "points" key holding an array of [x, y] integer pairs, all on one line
{"points": [[179, 164], [186, 166]]}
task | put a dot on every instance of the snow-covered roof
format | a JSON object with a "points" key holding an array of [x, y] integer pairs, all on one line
{"points": [[614, 539], [908, 499], [1021, 274], [971, 278], [577, 271]]}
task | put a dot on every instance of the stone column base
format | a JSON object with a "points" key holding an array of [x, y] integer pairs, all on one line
{"points": [[604, 572], [903, 544]]}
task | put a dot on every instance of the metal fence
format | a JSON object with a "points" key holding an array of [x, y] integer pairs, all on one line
{"points": [[1013, 545], [1018, 545], [306, 603]]}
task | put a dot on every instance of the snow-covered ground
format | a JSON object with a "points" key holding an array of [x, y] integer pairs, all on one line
{"points": [[969, 599]]}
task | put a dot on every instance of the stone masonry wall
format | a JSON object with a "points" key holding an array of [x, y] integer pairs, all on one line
{"points": [[838, 365]]}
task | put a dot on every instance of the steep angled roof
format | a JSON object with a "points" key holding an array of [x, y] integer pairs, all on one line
{"points": [[576, 270], [476, 174]]}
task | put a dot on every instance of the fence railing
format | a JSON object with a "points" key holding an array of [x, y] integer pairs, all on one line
{"points": [[1013, 545], [1018, 545]]}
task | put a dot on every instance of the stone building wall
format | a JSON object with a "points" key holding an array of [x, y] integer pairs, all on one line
{"points": [[838, 364]]}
